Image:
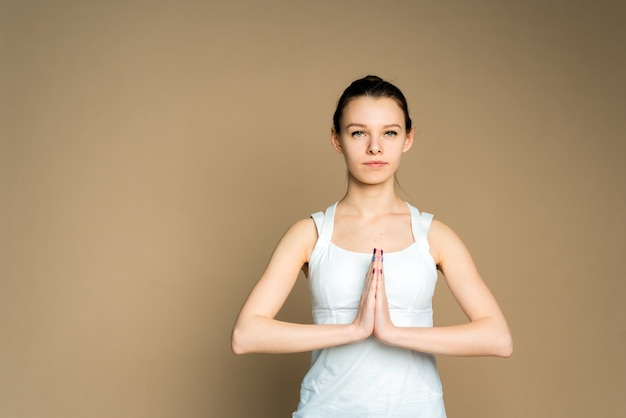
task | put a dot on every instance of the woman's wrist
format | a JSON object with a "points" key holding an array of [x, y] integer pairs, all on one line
{"points": [[389, 335], [357, 333]]}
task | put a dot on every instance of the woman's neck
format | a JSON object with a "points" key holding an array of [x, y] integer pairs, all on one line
{"points": [[371, 200]]}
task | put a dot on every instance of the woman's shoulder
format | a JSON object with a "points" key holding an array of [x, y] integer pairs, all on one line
{"points": [[301, 233], [305, 230], [443, 240], [439, 230], [303, 226], [297, 242]]}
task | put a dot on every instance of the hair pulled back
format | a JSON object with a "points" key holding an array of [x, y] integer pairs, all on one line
{"points": [[372, 86]]}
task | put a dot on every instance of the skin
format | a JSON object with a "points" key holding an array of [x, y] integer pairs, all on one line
{"points": [[372, 140]]}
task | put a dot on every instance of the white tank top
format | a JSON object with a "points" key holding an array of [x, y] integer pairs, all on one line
{"points": [[371, 379]]}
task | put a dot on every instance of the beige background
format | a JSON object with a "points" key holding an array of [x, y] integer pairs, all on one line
{"points": [[154, 152]]}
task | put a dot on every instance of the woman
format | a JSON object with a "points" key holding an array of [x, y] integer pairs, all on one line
{"points": [[371, 262]]}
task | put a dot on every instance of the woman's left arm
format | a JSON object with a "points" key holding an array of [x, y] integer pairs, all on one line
{"points": [[486, 333]]}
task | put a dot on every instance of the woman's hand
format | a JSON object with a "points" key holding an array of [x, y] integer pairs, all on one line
{"points": [[382, 322], [373, 315], [365, 316]]}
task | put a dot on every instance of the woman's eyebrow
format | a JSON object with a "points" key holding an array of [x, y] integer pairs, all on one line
{"points": [[360, 125]]}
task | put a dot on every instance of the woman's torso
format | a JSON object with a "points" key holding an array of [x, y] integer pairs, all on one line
{"points": [[371, 379]]}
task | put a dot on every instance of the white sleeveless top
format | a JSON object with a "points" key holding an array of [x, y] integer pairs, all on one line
{"points": [[370, 378]]}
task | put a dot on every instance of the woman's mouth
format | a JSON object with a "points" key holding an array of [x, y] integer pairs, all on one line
{"points": [[375, 164]]}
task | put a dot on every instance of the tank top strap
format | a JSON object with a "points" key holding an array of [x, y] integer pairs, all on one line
{"points": [[318, 218], [420, 224], [324, 222]]}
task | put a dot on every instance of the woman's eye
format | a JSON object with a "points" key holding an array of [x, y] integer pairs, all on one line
{"points": [[358, 134], [391, 133]]}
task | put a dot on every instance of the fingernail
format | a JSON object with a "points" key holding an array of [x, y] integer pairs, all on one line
{"points": [[381, 256], [381, 271], [374, 254]]}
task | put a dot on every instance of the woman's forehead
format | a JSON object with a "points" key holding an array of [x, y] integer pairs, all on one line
{"points": [[368, 110]]}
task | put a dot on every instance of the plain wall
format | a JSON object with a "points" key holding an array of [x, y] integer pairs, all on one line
{"points": [[152, 154]]}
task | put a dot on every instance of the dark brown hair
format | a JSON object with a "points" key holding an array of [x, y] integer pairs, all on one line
{"points": [[372, 86]]}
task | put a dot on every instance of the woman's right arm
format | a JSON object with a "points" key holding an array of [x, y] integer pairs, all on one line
{"points": [[257, 331]]}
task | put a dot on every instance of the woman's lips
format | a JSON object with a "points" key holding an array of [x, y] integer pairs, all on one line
{"points": [[375, 164]]}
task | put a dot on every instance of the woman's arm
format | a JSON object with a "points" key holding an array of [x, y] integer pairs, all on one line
{"points": [[486, 333], [256, 330]]}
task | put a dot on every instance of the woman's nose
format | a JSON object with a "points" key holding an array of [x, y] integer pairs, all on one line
{"points": [[374, 148]]}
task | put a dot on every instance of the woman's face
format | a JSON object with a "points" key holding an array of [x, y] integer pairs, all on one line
{"points": [[372, 139]]}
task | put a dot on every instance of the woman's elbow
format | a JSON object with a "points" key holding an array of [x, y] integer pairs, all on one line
{"points": [[504, 347], [237, 344], [236, 348]]}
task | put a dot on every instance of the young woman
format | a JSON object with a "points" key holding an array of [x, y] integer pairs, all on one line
{"points": [[371, 261]]}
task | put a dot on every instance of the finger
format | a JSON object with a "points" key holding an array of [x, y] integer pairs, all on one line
{"points": [[380, 288], [372, 267], [372, 262], [369, 288]]}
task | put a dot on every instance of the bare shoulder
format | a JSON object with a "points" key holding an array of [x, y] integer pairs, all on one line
{"points": [[301, 235], [439, 230], [306, 225], [443, 241], [303, 229]]}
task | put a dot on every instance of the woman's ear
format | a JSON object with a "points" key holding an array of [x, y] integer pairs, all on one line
{"points": [[335, 141], [408, 141]]}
